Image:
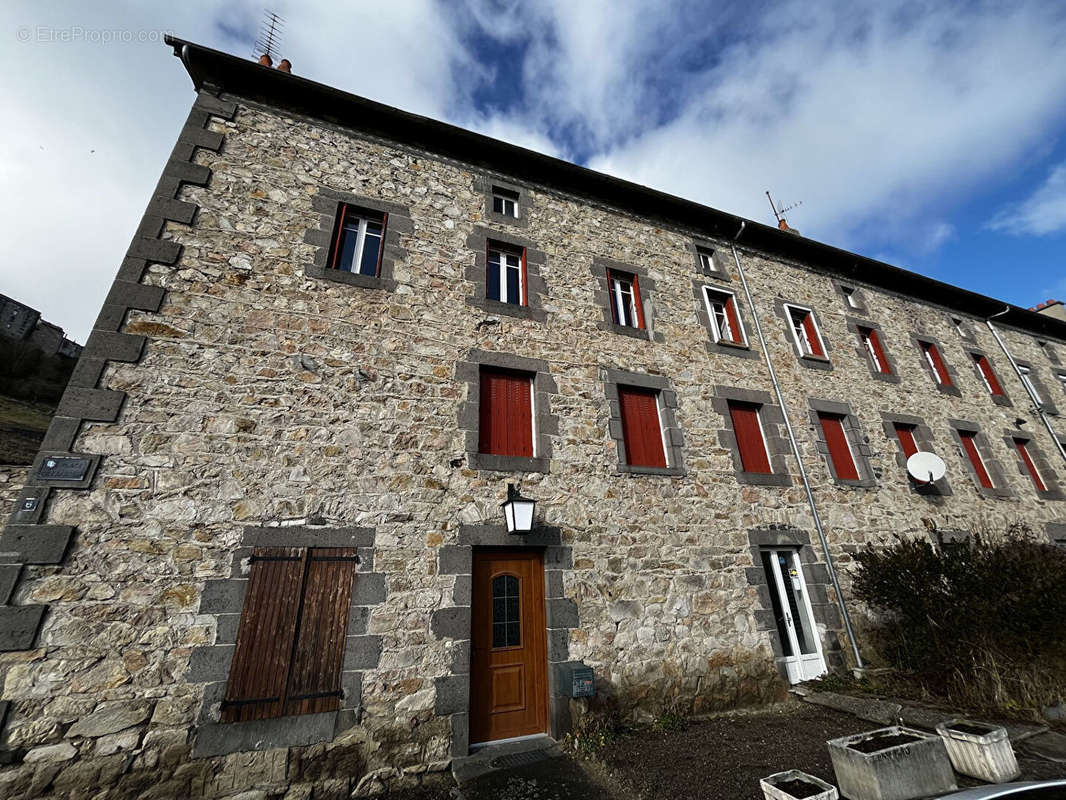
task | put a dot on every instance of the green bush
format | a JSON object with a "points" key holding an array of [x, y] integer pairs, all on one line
{"points": [[983, 621]]}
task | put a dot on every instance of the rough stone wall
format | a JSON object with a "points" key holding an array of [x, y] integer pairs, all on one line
{"points": [[265, 395], [12, 479]]}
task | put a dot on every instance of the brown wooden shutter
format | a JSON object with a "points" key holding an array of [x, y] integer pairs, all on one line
{"points": [[970, 447], [641, 431], [260, 667], [318, 648], [750, 442], [338, 235], [638, 303], [839, 452], [1023, 451], [505, 411]]}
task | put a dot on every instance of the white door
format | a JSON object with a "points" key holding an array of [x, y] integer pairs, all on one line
{"points": [[792, 610]]}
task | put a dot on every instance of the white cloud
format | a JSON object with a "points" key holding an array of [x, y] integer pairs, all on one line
{"points": [[1042, 213]]}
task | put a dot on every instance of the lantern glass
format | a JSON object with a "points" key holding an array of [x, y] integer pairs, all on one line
{"points": [[518, 511]]}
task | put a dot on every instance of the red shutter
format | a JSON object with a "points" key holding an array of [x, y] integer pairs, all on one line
{"points": [[640, 427], [338, 235], [972, 453], [318, 649], [875, 343], [990, 375], [638, 303], [260, 667], [525, 281], [750, 442], [839, 452], [812, 334], [506, 420], [938, 363], [1023, 451], [905, 434], [734, 318], [381, 247]]}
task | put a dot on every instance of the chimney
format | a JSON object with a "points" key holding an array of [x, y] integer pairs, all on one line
{"points": [[784, 226], [285, 65], [265, 60], [1052, 308]]}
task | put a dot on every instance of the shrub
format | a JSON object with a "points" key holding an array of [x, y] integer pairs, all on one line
{"points": [[982, 621]]}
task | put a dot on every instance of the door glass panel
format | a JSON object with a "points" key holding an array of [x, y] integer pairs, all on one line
{"points": [[506, 614], [794, 592], [775, 601]]}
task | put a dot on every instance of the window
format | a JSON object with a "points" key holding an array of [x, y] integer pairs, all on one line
{"points": [[905, 435], [1062, 379], [357, 241], [641, 427], [805, 331], [839, 449], [506, 612], [936, 364], [969, 446], [988, 375], [506, 278], [872, 342], [1027, 380], [959, 326], [849, 297], [751, 441], [1022, 446], [290, 644], [626, 308], [506, 413], [706, 259], [725, 322], [504, 202]]}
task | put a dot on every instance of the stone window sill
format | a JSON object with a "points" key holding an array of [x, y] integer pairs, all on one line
{"points": [[496, 463], [350, 278], [631, 469], [764, 479], [508, 309], [816, 362], [222, 738], [626, 330]]}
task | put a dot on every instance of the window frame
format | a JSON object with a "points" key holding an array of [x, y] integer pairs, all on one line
{"points": [[615, 281], [666, 405], [502, 250], [602, 270], [960, 430], [858, 447], [532, 287], [1029, 376], [517, 375], [990, 378], [786, 309], [1033, 461], [923, 343], [756, 410], [347, 211], [771, 427], [923, 439], [730, 304], [506, 196], [656, 394]]}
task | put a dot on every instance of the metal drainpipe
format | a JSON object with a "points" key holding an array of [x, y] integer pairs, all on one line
{"points": [[799, 459], [1025, 384]]}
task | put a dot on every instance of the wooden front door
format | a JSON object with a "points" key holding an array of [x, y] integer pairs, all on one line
{"points": [[508, 681]]}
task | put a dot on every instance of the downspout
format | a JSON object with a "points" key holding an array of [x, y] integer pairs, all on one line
{"points": [[1025, 384], [796, 452]]}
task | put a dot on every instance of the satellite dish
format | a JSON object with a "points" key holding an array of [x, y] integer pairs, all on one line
{"points": [[926, 467]]}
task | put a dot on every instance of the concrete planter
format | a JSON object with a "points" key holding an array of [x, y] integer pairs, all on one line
{"points": [[775, 787], [979, 750], [893, 763]]}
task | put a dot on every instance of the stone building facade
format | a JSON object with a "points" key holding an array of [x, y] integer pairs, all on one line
{"points": [[240, 400]]}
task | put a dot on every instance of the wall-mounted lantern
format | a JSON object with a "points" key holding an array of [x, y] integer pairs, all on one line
{"points": [[518, 511]]}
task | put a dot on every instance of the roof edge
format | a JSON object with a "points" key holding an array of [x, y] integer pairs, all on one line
{"points": [[248, 79]]}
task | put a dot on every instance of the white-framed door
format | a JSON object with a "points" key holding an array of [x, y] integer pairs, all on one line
{"points": [[800, 645]]}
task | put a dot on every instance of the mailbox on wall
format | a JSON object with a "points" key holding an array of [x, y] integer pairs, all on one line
{"points": [[577, 680]]}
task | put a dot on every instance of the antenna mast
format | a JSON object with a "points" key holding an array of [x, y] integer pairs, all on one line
{"points": [[270, 33], [779, 215]]}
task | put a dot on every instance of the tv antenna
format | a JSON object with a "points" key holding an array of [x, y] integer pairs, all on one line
{"points": [[779, 214], [270, 33]]}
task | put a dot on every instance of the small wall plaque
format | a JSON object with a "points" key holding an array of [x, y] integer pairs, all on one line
{"points": [[30, 503], [63, 468]]}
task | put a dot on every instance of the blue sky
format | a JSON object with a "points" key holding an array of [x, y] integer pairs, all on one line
{"points": [[926, 134]]}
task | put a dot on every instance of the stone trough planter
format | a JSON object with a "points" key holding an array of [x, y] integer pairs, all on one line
{"points": [[894, 763], [796, 785], [979, 750]]}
